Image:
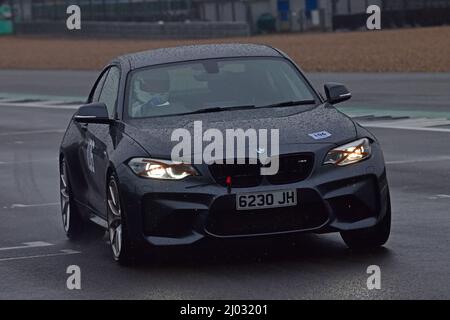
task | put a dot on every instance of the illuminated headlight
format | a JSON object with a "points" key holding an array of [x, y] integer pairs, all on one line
{"points": [[350, 153], [161, 169]]}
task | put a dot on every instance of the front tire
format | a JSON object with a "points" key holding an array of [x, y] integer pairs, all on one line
{"points": [[370, 238], [122, 249]]}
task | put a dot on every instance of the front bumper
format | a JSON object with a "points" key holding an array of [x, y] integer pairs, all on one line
{"points": [[164, 213]]}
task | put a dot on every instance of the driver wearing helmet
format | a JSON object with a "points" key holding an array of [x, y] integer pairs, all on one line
{"points": [[151, 90]]}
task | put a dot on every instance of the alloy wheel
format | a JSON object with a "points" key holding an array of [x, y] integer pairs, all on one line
{"points": [[65, 196], [114, 218]]}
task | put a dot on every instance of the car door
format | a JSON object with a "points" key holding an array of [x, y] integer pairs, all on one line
{"points": [[101, 143], [84, 145]]}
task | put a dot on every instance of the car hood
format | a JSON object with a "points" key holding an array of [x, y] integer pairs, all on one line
{"points": [[296, 125]]}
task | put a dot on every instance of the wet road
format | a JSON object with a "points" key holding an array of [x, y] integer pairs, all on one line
{"points": [[34, 252]]}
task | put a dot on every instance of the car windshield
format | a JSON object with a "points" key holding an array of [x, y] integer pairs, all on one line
{"points": [[216, 84]]}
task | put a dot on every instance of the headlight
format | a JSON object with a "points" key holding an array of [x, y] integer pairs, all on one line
{"points": [[161, 169], [350, 153]]}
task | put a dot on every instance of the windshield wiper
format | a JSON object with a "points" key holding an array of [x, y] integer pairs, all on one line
{"points": [[247, 107], [220, 109], [290, 104]]}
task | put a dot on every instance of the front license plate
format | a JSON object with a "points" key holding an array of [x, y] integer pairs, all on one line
{"points": [[266, 200]]}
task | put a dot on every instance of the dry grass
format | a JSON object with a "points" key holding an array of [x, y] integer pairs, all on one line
{"points": [[406, 50]]}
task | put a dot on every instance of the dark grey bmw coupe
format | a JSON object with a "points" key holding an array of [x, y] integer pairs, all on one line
{"points": [[117, 156]]}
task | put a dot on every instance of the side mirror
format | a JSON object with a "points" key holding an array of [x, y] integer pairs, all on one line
{"points": [[93, 113], [336, 93]]}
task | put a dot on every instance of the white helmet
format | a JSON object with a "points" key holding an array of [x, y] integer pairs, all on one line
{"points": [[152, 87]]}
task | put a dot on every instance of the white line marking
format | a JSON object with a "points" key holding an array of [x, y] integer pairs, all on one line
{"points": [[40, 105], [18, 205], [29, 161], [373, 125], [15, 133], [413, 122], [59, 103], [439, 196], [434, 159], [70, 251], [61, 253], [27, 245]]}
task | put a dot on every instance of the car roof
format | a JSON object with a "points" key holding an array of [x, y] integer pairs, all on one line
{"points": [[195, 52]]}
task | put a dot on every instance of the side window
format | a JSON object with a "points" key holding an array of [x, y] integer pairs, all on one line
{"points": [[110, 90], [98, 88]]}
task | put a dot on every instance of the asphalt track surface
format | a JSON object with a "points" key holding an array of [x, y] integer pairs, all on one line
{"points": [[35, 254]]}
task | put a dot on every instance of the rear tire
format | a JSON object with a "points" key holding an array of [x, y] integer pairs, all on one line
{"points": [[73, 224], [370, 238], [123, 250]]}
